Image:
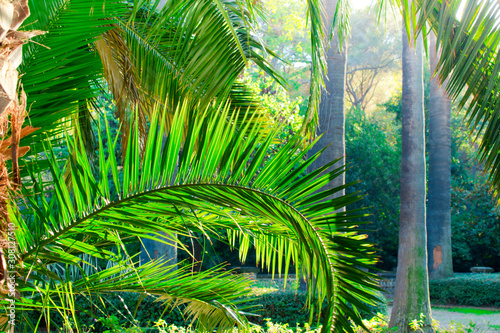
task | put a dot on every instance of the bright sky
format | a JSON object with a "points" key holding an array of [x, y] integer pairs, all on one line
{"points": [[359, 4]]}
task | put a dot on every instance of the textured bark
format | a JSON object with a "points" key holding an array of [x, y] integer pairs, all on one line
{"points": [[439, 185], [332, 109], [412, 284], [12, 115], [152, 250]]}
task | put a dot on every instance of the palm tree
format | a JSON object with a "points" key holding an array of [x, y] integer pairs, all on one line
{"points": [[52, 89], [331, 113], [439, 184], [471, 48], [412, 288], [12, 115], [208, 176]]}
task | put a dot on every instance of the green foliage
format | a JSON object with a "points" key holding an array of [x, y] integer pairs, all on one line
{"points": [[273, 308], [373, 152], [270, 327], [474, 209], [475, 228], [213, 188], [277, 102], [467, 289], [379, 324]]}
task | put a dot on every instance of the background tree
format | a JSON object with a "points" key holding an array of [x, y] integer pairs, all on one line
{"points": [[374, 58], [439, 248]]}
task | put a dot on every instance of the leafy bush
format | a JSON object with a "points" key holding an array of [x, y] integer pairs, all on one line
{"points": [[270, 327], [287, 306], [467, 289], [283, 307], [373, 151], [378, 324], [475, 227]]}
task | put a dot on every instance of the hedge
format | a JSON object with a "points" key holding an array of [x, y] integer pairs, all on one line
{"points": [[467, 289], [284, 307]]}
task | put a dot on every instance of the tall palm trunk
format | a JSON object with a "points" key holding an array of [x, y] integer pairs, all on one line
{"points": [[332, 107], [412, 284], [150, 249], [439, 185]]}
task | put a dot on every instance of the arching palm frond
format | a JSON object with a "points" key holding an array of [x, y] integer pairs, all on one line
{"points": [[217, 180]]}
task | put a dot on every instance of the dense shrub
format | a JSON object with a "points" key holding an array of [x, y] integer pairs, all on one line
{"points": [[121, 308], [281, 306], [373, 152], [475, 227], [467, 289]]}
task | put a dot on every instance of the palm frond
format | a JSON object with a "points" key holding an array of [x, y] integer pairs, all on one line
{"points": [[217, 179], [193, 49], [210, 297], [60, 70]]}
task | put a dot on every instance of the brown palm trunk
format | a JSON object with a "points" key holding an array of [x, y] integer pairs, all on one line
{"points": [[332, 108], [12, 114], [412, 284], [439, 185]]}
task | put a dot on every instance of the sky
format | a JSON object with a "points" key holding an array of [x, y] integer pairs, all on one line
{"points": [[359, 4]]}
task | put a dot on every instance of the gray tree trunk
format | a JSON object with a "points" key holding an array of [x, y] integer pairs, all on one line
{"points": [[439, 185], [412, 282], [332, 108], [162, 3], [152, 250]]}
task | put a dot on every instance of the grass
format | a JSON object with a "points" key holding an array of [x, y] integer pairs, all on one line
{"points": [[475, 311], [261, 287]]}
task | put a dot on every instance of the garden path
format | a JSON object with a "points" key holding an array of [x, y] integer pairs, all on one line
{"points": [[483, 320]]}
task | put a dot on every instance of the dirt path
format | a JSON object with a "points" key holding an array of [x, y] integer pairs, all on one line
{"points": [[483, 320]]}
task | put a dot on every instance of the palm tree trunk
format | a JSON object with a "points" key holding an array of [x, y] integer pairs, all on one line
{"points": [[332, 108], [412, 284], [439, 185], [12, 114], [150, 249]]}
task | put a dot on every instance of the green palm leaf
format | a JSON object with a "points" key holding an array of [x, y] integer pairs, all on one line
{"points": [[217, 180], [60, 71], [192, 49]]}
